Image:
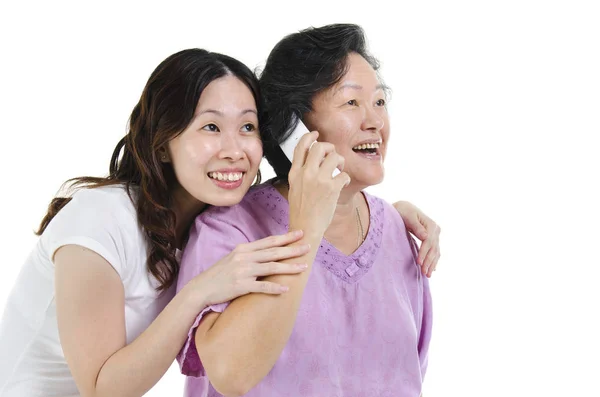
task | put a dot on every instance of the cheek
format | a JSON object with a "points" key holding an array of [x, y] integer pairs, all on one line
{"points": [[192, 153], [254, 150], [339, 128]]}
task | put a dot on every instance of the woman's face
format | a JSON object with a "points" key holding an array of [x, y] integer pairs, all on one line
{"points": [[353, 116], [216, 157]]}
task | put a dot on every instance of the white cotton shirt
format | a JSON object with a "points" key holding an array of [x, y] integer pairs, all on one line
{"points": [[103, 220]]}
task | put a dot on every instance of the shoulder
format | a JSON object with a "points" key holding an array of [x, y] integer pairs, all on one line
{"points": [[384, 211], [260, 200], [110, 204], [102, 220], [105, 198]]}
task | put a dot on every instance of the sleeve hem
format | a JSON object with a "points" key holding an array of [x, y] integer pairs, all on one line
{"points": [[90, 244], [188, 358]]}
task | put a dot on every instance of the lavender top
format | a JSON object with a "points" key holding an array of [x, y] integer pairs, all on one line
{"points": [[364, 323]]}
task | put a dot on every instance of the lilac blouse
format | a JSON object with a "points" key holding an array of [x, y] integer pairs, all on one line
{"points": [[364, 323]]}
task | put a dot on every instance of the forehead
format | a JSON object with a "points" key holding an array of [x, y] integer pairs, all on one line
{"points": [[360, 77], [227, 91], [359, 70]]}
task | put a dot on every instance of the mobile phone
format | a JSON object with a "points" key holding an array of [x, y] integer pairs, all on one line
{"points": [[289, 145]]}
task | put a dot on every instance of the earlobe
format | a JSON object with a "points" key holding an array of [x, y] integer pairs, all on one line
{"points": [[163, 155]]}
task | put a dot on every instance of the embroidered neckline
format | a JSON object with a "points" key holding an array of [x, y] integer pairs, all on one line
{"points": [[349, 268]]}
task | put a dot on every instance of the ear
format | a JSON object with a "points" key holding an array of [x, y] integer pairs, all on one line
{"points": [[163, 155]]}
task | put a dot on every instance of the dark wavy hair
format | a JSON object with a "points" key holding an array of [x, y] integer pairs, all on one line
{"points": [[165, 109], [299, 67]]}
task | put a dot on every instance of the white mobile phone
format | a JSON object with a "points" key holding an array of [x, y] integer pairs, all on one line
{"points": [[289, 145]]}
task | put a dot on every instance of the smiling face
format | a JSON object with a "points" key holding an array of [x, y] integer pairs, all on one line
{"points": [[216, 157], [352, 115]]}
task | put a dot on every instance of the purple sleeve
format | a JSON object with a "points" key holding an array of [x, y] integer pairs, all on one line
{"points": [[212, 237], [426, 322], [426, 311]]}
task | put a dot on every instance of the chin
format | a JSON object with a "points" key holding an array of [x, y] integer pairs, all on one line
{"points": [[218, 197], [225, 200], [371, 178]]}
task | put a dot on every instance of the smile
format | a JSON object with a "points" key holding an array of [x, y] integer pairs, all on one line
{"points": [[226, 176], [367, 149]]}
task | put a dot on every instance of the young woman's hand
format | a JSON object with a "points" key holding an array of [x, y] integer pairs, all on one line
{"points": [[239, 272], [426, 230]]}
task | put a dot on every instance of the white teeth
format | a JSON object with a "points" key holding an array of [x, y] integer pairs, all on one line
{"points": [[366, 146], [228, 177]]}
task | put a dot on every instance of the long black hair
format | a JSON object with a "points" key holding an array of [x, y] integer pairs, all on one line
{"points": [[165, 109]]}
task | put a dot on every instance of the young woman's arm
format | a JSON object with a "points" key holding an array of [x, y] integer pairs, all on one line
{"points": [[91, 319]]}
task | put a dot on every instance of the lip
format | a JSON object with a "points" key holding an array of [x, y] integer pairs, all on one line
{"points": [[374, 156], [228, 185]]}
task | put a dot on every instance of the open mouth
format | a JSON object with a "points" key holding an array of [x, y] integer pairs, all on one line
{"points": [[226, 176], [369, 149]]}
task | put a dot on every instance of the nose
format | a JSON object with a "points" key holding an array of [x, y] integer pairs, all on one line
{"points": [[372, 121], [231, 148]]}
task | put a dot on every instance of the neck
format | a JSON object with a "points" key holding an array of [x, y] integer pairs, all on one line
{"points": [[346, 207], [186, 208], [344, 218]]}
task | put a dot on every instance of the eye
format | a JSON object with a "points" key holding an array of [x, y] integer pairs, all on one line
{"points": [[352, 102], [211, 127], [380, 102], [249, 127]]}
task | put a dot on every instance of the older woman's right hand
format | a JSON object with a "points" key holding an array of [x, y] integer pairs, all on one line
{"points": [[313, 192], [238, 273]]}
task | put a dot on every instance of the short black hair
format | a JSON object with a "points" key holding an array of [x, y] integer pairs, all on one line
{"points": [[300, 66]]}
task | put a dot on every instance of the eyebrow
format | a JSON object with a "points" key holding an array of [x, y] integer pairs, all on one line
{"points": [[360, 87], [219, 113]]}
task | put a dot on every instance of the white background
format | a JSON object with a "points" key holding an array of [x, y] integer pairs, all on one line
{"points": [[495, 115]]}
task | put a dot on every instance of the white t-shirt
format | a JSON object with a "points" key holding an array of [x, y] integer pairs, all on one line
{"points": [[103, 220]]}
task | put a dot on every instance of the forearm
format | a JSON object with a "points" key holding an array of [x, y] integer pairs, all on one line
{"points": [[137, 367], [237, 360]]}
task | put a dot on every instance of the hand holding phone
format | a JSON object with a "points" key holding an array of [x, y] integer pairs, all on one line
{"points": [[289, 145]]}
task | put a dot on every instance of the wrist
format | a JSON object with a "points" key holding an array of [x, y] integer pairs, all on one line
{"points": [[194, 296], [310, 234]]}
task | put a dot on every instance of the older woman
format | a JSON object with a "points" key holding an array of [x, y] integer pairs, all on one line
{"points": [[358, 321]]}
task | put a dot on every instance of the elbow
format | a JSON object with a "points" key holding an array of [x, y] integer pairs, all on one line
{"points": [[228, 379]]}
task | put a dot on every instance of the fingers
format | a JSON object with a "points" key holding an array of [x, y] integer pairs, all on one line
{"points": [[316, 154], [267, 287], [417, 223], [428, 257], [301, 150], [427, 262], [418, 230], [277, 254], [342, 180], [433, 265], [331, 162], [271, 268], [423, 251], [272, 241]]}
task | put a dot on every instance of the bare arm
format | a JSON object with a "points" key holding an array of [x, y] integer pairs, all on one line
{"points": [[236, 361], [91, 319]]}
